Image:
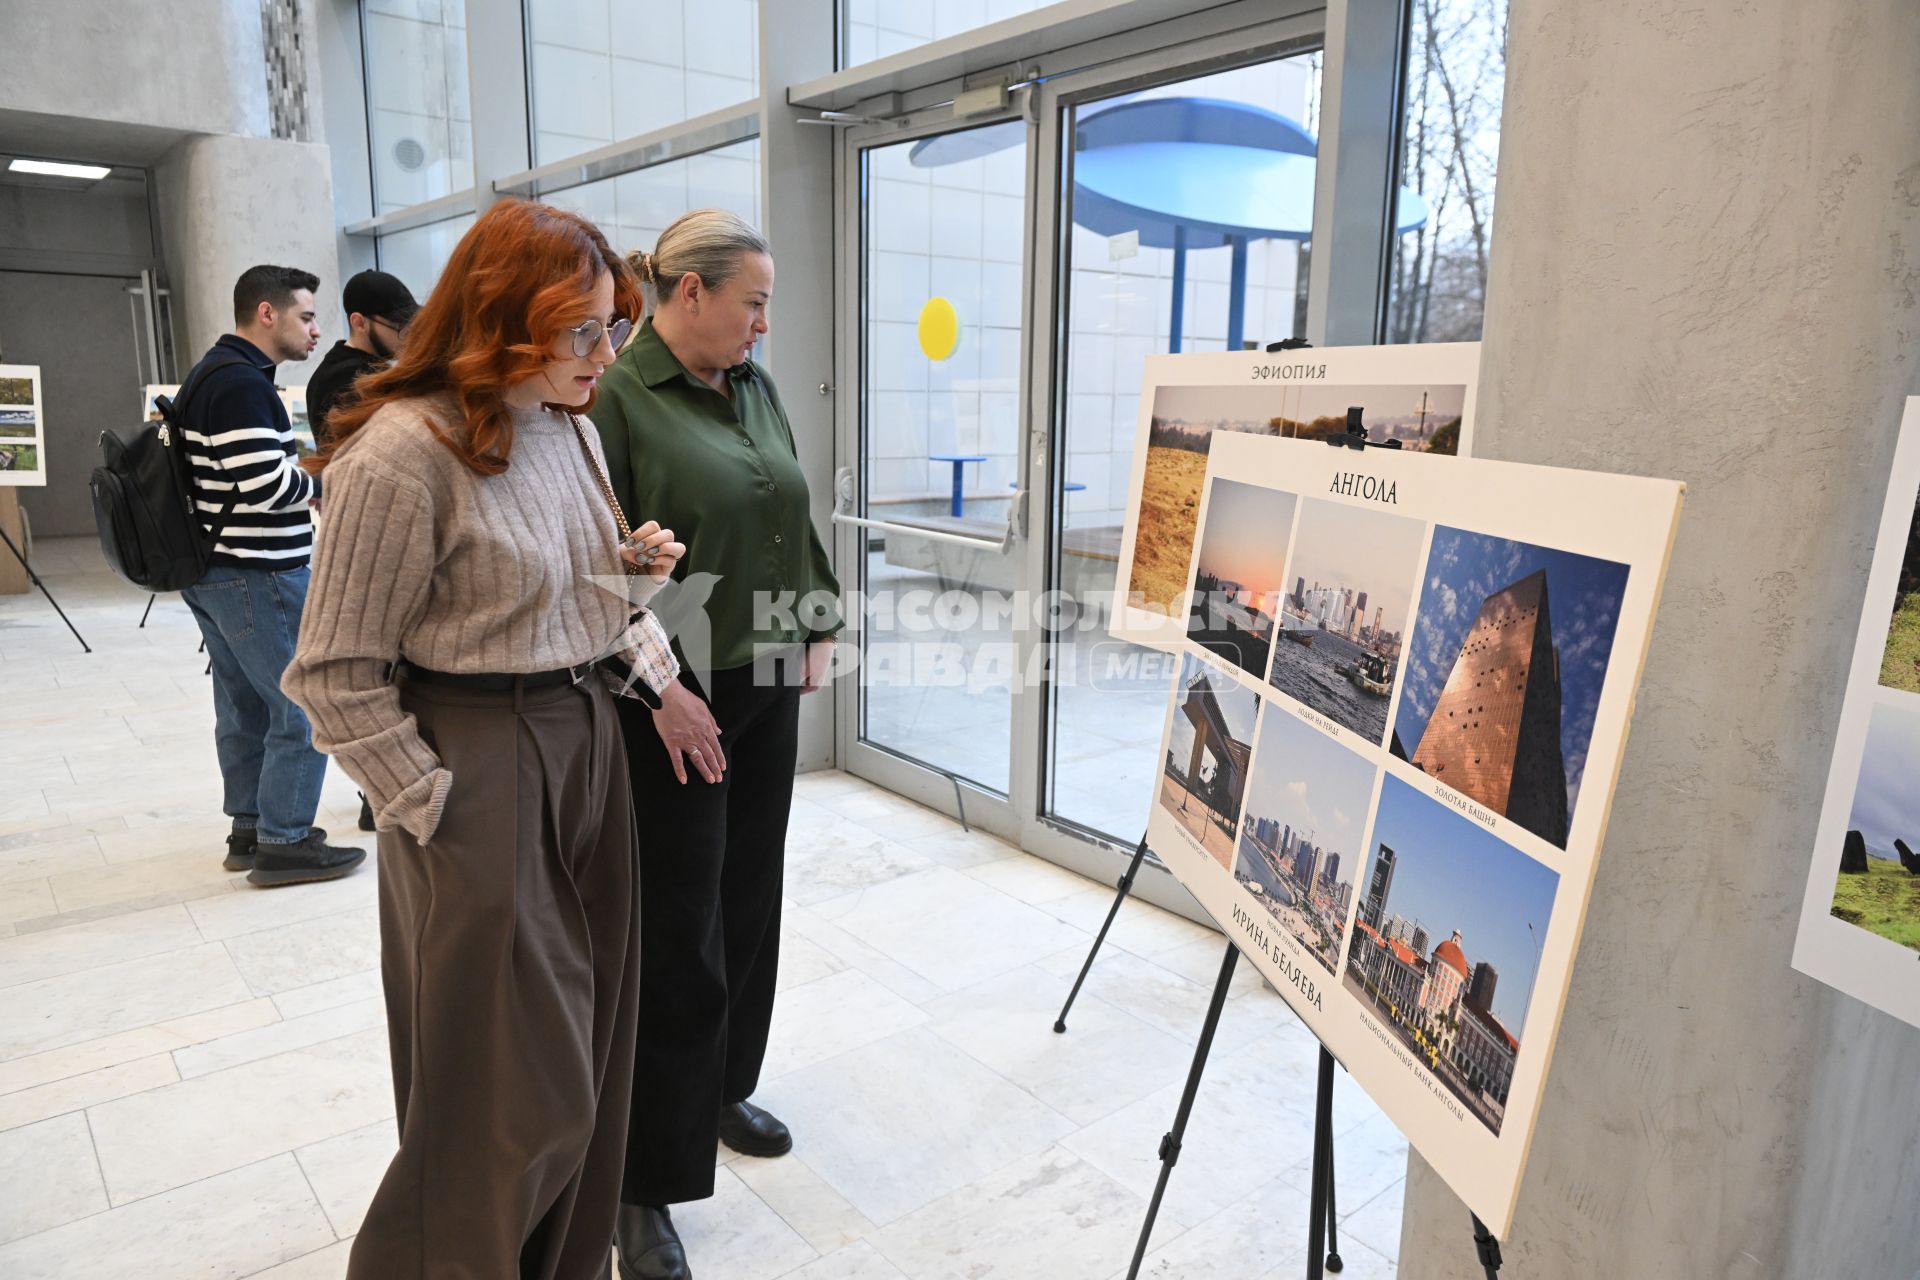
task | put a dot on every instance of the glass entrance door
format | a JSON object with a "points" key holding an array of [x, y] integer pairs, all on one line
{"points": [[1003, 282], [1188, 206], [941, 252]]}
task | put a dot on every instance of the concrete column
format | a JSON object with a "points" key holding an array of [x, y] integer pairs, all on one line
{"points": [[1706, 265], [497, 85], [796, 215], [227, 203]]}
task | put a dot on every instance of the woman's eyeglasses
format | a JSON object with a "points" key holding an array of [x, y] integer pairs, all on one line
{"points": [[586, 336]]}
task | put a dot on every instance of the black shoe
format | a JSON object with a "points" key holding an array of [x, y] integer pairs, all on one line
{"points": [[312, 859], [753, 1132], [240, 847], [366, 813], [649, 1246]]}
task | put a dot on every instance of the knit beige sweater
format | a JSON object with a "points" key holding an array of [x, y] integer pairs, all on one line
{"points": [[418, 557]]}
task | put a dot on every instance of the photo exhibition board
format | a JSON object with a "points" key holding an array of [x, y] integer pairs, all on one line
{"points": [[23, 426], [1389, 755], [1860, 921], [1422, 396]]}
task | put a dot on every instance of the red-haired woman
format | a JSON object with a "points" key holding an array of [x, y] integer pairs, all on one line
{"points": [[472, 545]]}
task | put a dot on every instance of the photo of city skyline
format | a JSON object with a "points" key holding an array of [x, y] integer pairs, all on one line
{"points": [[1502, 682], [1209, 746], [1306, 812], [1447, 942], [1237, 574], [1349, 591]]}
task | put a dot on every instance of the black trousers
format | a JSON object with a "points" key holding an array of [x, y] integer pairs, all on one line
{"points": [[712, 862]]}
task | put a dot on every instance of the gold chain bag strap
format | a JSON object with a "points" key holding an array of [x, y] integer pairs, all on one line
{"points": [[645, 648]]}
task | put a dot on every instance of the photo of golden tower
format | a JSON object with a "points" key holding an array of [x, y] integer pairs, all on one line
{"points": [[1495, 732]]}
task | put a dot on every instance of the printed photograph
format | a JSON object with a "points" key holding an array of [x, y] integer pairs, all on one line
{"points": [[18, 422], [1446, 945], [21, 459], [1422, 418], [1349, 593], [1209, 747], [16, 391], [1878, 888], [1900, 664], [1306, 813], [1237, 575], [1504, 671]]}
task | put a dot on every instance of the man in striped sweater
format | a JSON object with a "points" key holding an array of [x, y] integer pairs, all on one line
{"points": [[254, 497]]}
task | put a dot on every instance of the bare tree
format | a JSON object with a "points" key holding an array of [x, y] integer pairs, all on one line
{"points": [[1456, 73]]}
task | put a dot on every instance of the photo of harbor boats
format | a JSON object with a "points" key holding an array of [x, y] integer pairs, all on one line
{"points": [[1349, 594], [1237, 574], [1306, 813]]}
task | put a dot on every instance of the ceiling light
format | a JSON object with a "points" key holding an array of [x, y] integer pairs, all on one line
{"points": [[55, 169]]}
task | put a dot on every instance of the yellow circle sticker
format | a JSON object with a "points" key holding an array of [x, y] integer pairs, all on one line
{"points": [[939, 329]]}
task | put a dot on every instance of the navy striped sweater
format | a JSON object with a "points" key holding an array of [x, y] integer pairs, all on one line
{"points": [[240, 443]]}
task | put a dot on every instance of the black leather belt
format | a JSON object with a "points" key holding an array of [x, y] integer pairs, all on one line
{"points": [[494, 682]]}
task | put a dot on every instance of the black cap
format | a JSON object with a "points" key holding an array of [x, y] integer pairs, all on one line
{"points": [[377, 294]]}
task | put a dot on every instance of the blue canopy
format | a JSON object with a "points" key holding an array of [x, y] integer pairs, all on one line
{"points": [[1185, 173]]}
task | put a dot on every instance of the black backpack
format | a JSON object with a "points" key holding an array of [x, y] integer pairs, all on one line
{"points": [[150, 531]]}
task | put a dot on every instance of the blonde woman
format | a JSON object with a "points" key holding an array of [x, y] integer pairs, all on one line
{"points": [[696, 436]]}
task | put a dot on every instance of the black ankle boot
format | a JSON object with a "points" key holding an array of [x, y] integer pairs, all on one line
{"points": [[753, 1132], [240, 849], [649, 1246]]}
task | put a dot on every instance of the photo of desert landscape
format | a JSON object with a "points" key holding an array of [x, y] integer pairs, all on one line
{"points": [[1422, 418]]}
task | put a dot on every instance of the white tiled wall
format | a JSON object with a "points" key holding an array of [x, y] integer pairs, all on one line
{"points": [[416, 256], [634, 208], [957, 231], [417, 93], [603, 70]]}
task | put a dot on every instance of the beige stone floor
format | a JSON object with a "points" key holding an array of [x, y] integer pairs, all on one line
{"points": [[193, 1073]]}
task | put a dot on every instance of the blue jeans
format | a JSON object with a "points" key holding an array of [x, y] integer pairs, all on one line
{"points": [[251, 621]]}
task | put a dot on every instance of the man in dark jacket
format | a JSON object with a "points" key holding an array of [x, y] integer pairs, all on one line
{"points": [[378, 307], [252, 494]]}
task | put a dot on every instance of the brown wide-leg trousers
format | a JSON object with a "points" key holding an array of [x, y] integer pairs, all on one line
{"points": [[510, 959]]}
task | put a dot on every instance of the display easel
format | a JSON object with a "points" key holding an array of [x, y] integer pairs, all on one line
{"points": [[9, 514], [1322, 1213], [1323, 1246]]}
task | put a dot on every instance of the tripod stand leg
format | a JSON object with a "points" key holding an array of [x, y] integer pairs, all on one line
{"points": [[1334, 1264], [35, 579], [1170, 1143], [1126, 884], [1323, 1245], [149, 609], [1488, 1247]]}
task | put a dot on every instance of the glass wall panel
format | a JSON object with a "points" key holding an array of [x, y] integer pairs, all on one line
{"points": [[634, 208], [1456, 77], [943, 239], [876, 28], [419, 127], [417, 255], [604, 70], [1229, 150]]}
